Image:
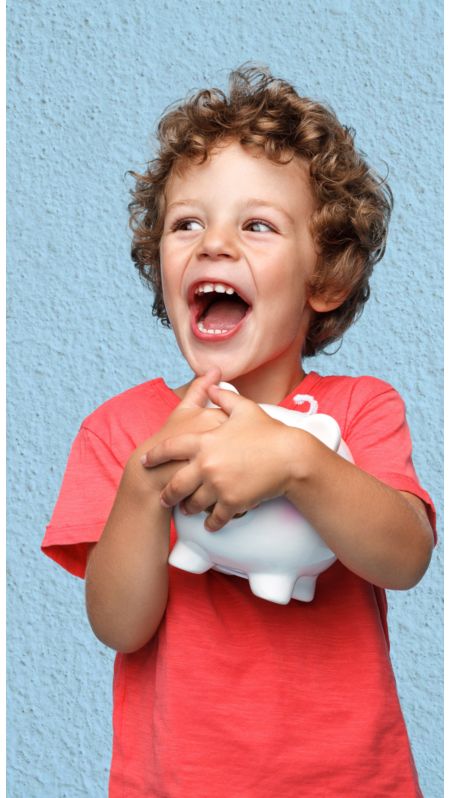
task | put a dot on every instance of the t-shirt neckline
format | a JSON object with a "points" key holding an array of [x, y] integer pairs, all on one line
{"points": [[307, 383]]}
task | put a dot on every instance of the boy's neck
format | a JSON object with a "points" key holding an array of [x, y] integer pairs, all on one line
{"points": [[269, 386]]}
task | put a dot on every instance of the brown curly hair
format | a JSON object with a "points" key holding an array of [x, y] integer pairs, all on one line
{"points": [[353, 204]]}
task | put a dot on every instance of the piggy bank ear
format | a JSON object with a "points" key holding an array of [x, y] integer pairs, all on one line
{"points": [[325, 428]]}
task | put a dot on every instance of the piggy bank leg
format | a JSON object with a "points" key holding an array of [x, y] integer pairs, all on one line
{"points": [[190, 557], [304, 589], [273, 587]]}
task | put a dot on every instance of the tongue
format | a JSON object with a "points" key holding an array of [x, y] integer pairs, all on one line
{"points": [[224, 314]]}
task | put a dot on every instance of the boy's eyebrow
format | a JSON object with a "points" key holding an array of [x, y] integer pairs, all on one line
{"points": [[248, 204], [182, 202], [268, 204]]}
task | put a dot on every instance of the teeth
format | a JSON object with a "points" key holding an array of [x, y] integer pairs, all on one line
{"points": [[219, 288], [203, 329]]}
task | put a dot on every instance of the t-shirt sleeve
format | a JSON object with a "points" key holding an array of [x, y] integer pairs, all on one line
{"points": [[379, 439], [87, 493]]}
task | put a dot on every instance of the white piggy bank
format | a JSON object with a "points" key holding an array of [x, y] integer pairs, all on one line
{"points": [[272, 545]]}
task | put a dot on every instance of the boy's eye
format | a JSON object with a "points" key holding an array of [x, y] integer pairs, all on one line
{"points": [[187, 224], [258, 226]]}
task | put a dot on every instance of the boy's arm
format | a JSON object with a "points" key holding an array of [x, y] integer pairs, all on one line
{"points": [[126, 576], [378, 532]]}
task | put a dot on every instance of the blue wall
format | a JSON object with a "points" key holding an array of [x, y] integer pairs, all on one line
{"points": [[86, 84]]}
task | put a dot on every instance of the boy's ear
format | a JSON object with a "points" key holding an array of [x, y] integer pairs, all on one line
{"points": [[321, 303]]}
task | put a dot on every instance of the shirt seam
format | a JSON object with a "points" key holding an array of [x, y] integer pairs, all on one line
{"points": [[99, 438], [364, 406], [75, 526]]}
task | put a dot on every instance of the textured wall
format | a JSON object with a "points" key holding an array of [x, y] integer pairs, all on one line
{"points": [[86, 83]]}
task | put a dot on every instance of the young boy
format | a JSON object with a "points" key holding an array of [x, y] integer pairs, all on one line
{"points": [[257, 226]]}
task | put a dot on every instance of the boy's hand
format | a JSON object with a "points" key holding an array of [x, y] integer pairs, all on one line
{"points": [[234, 466], [191, 416]]}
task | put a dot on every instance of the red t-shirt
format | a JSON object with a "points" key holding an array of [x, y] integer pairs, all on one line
{"points": [[234, 695]]}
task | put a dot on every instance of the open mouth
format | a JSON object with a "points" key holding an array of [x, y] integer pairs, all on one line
{"points": [[217, 309]]}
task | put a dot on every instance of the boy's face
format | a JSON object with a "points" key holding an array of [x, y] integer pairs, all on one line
{"points": [[236, 256]]}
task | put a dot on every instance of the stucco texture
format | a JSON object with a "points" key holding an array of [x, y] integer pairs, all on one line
{"points": [[86, 84]]}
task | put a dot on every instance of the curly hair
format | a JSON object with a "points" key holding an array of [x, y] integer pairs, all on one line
{"points": [[353, 204]]}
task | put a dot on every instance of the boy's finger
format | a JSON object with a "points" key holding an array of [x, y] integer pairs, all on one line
{"points": [[227, 400], [196, 394], [182, 484], [220, 516], [201, 499], [182, 447]]}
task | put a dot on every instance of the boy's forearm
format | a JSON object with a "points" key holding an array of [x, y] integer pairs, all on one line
{"points": [[372, 528], [127, 574]]}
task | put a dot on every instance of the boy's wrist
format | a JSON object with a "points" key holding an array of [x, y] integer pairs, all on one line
{"points": [[302, 456], [141, 484]]}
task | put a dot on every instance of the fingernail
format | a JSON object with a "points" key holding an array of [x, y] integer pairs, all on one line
{"points": [[164, 504], [143, 459]]}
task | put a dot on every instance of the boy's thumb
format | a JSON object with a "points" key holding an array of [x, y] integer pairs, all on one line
{"points": [[197, 392], [225, 398]]}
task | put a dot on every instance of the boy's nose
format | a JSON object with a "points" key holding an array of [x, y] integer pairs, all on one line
{"points": [[218, 242]]}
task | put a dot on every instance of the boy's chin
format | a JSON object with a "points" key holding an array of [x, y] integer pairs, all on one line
{"points": [[227, 372], [227, 375], [232, 365]]}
